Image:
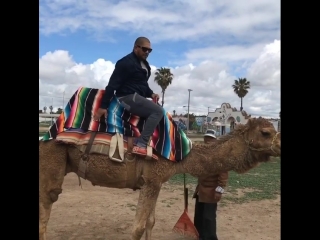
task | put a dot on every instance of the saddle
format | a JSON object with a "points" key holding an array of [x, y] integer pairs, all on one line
{"points": [[104, 144]]}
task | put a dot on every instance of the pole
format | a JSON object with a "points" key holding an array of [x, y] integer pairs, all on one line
{"points": [[188, 110], [185, 190], [52, 112], [45, 111], [208, 109]]}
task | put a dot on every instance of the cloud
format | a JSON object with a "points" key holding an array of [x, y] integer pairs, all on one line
{"points": [[211, 80], [265, 71], [236, 54], [210, 20]]}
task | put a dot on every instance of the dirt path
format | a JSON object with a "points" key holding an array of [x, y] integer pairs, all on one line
{"points": [[102, 213]]}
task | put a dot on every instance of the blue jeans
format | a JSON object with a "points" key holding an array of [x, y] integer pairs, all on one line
{"points": [[145, 108]]}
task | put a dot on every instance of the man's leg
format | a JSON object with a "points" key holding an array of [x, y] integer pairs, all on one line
{"points": [[198, 217], [145, 108], [209, 221]]}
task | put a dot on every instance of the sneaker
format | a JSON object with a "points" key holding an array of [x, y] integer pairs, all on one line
{"points": [[142, 151]]}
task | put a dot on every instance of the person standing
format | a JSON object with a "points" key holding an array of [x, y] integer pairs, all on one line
{"points": [[207, 194]]}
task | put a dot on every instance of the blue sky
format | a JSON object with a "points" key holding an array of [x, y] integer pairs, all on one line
{"points": [[207, 44], [86, 49]]}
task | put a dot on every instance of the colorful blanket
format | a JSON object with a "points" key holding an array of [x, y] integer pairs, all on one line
{"points": [[168, 139]]}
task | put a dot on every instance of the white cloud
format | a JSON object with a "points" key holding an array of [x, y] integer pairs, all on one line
{"points": [[210, 81], [173, 20]]}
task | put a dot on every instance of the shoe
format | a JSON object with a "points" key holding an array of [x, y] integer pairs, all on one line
{"points": [[142, 151]]}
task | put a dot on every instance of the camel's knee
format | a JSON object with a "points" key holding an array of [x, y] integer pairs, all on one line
{"points": [[151, 221], [137, 232], [54, 194]]}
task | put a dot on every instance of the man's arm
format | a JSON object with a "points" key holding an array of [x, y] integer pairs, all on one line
{"points": [[223, 179], [116, 80], [149, 92]]}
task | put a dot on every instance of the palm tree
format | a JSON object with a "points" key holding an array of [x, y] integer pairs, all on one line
{"points": [[174, 112], [240, 87], [163, 78], [45, 109], [50, 109]]}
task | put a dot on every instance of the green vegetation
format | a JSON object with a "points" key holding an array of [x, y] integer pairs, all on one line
{"points": [[44, 125], [163, 77], [260, 183], [240, 87]]}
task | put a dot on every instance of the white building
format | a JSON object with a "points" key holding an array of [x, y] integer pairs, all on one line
{"points": [[225, 118]]}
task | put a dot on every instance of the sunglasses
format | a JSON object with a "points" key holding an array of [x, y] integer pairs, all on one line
{"points": [[145, 49]]}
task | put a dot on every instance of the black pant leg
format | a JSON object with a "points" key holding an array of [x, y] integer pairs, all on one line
{"points": [[209, 223], [198, 216]]}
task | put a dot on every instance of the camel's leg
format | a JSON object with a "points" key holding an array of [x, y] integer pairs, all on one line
{"points": [[151, 220], [146, 206], [52, 163]]}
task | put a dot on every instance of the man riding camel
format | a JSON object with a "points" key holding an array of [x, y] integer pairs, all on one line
{"points": [[129, 83]]}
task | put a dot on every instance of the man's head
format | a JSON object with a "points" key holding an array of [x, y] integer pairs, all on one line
{"points": [[209, 136], [142, 48]]}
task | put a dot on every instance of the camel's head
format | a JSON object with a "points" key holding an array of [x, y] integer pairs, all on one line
{"points": [[262, 137]]}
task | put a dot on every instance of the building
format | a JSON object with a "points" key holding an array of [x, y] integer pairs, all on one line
{"points": [[225, 118]]}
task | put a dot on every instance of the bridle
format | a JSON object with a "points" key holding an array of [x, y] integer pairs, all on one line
{"points": [[263, 149]]}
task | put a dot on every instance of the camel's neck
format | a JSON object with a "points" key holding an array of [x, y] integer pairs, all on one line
{"points": [[233, 155]]}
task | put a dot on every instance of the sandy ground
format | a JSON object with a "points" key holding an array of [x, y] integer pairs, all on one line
{"points": [[104, 213]]}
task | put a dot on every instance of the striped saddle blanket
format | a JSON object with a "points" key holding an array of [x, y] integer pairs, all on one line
{"points": [[168, 140]]}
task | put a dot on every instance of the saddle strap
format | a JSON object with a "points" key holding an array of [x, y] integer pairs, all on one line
{"points": [[130, 144], [120, 145], [82, 168], [88, 148]]}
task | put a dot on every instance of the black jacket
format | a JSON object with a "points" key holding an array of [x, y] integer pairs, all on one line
{"points": [[127, 78]]}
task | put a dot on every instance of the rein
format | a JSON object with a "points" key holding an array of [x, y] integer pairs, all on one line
{"points": [[263, 149]]}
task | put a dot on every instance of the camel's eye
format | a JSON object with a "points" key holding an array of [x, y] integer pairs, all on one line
{"points": [[265, 132]]}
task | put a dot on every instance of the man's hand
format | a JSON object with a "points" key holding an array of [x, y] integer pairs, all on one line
{"points": [[155, 97], [99, 113], [217, 196]]}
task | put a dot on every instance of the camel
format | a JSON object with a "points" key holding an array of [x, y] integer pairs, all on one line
{"points": [[244, 148]]}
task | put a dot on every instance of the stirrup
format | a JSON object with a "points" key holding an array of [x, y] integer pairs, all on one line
{"points": [[143, 152]]}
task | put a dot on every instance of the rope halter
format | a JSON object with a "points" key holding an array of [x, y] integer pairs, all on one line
{"points": [[264, 149]]}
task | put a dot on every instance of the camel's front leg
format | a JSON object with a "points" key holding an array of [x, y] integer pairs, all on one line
{"points": [[150, 223], [146, 205], [52, 168]]}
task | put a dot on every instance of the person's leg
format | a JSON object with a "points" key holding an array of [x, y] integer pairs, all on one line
{"points": [[209, 221], [198, 217], [145, 108]]}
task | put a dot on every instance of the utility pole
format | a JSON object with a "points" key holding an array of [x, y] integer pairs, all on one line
{"points": [[208, 109], [188, 110]]}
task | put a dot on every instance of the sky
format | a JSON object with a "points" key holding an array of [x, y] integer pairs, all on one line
{"points": [[207, 44]]}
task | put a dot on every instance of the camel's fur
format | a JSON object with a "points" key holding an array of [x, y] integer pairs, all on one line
{"points": [[239, 151]]}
